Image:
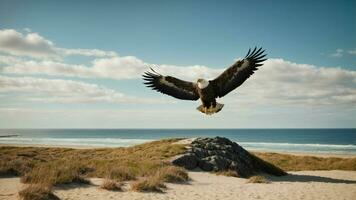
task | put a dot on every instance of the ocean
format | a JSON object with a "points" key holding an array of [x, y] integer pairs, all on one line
{"points": [[336, 141]]}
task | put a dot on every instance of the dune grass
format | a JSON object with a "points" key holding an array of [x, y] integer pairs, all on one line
{"points": [[148, 184], [54, 166], [120, 173], [56, 172], [267, 167], [37, 192], [290, 162], [155, 182], [172, 174], [111, 185]]}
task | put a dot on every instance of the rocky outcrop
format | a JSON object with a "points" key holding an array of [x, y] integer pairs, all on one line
{"points": [[221, 154]]}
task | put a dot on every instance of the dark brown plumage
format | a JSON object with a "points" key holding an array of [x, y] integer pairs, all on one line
{"points": [[208, 91]]}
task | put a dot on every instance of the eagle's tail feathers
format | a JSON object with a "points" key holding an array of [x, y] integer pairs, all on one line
{"points": [[211, 110]]}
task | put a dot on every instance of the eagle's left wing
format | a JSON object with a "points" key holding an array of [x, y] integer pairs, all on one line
{"points": [[172, 86], [238, 73]]}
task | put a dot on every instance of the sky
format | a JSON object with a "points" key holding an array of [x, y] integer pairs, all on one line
{"points": [[66, 64]]}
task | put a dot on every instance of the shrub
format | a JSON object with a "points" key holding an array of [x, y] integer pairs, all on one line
{"points": [[148, 184], [172, 174]]}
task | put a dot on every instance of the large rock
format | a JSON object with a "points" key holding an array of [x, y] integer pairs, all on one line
{"points": [[188, 161], [221, 154]]}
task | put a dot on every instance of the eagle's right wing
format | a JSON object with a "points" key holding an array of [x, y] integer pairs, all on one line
{"points": [[239, 72], [172, 86]]}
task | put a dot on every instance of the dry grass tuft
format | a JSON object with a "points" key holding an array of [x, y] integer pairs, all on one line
{"points": [[290, 162], [55, 173], [148, 184], [257, 179], [112, 185], [37, 192], [172, 174], [121, 174], [16, 167], [231, 173]]}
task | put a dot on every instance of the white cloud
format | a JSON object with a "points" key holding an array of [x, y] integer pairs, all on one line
{"points": [[65, 91], [278, 81], [352, 52], [127, 67], [87, 52], [281, 82], [341, 52], [47, 67], [338, 53], [33, 45]]}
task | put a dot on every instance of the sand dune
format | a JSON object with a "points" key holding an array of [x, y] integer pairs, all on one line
{"points": [[298, 185]]}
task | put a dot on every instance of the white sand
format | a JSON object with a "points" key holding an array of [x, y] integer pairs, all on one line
{"points": [[298, 185]]}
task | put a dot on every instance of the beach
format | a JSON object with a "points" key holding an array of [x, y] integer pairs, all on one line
{"points": [[297, 185], [301, 184]]}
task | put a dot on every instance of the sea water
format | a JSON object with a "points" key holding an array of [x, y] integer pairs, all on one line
{"points": [[338, 141]]}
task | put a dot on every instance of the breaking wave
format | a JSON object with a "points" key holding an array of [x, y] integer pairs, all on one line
{"points": [[294, 147]]}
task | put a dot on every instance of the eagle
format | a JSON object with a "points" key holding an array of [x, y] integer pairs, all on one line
{"points": [[208, 90]]}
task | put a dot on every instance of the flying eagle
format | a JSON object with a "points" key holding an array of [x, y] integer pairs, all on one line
{"points": [[207, 90]]}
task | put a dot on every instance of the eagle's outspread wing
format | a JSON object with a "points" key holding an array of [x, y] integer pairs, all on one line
{"points": [[172, 86], [239, 72]]}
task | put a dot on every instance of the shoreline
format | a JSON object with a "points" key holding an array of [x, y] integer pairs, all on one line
{"points": [[315, 154]]}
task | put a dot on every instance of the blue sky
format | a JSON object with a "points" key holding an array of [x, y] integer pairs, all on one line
{"points": [[315, 40]]}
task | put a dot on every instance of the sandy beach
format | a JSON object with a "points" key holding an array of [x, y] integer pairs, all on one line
{"points": [[321, 184], [297, 185]]}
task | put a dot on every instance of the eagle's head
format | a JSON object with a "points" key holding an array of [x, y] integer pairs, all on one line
{"points": [[202, 83]]}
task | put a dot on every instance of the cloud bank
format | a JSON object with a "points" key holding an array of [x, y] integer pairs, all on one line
{"points": [[33, 45], [65, 91], [277, 82]]}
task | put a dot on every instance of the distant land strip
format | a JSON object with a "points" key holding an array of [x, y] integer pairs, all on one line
{"points": [[13, 135]]}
